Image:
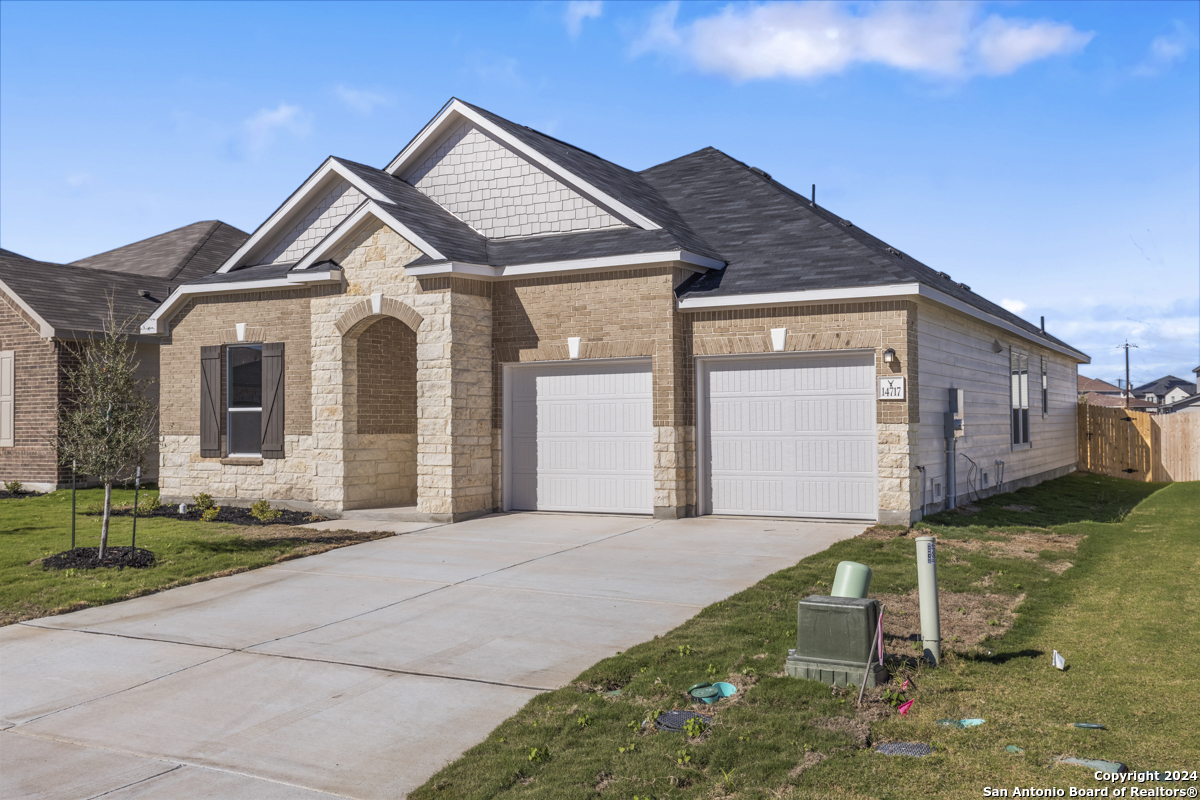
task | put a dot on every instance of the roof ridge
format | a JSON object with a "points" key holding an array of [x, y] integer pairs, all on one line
{"points": [[196, 248], [140, 241]]}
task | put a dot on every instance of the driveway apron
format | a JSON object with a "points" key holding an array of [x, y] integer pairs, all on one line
{"points": [[361, 671]]}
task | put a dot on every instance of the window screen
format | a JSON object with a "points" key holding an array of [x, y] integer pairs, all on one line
{"points": [[1019, 368], [244, 382], [1045, 388]]}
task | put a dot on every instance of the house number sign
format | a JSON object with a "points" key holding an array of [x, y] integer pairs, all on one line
{"points": [[891, 388]]}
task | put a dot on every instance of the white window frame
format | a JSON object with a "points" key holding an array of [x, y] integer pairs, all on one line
{"points": [[8, 394], [230, 410], [1018, 372], [1045, 386]]}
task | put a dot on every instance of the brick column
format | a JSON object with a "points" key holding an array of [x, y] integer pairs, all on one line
{"points": [[454, 399]]}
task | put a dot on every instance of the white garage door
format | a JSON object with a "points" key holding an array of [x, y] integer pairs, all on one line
{"points": [[580, 437], [792, 436]]}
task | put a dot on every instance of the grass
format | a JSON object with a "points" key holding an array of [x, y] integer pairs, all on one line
{"points": [[186, 551], [1123, 615]]}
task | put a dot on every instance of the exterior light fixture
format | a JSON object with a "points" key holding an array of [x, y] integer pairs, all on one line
{"points": [[889, 356]]}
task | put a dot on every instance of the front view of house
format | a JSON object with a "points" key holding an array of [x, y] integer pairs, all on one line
{"points": [[498, 320]]}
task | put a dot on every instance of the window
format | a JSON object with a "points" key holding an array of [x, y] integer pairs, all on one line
{"points": [[8, 392], [1045, 389], [1019, 367], [244, 384]]}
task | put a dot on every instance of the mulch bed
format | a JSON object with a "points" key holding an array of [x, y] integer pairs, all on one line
{"points": [[89, 558], [21, 495], [236, 515]]}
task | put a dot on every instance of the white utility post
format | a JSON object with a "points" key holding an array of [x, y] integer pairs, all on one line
{"points": [[927, 588]]}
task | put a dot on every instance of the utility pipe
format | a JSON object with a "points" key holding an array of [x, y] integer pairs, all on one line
{"points": [[931, 623]]}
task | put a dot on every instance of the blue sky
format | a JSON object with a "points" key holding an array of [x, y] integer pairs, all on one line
{"points": [[1047, 154]]}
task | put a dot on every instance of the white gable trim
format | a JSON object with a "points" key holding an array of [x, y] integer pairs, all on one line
{"points": [[45, 329], [285, 216], [446, 118], [683, 258], [157, 323], [817, 296], [347, 226]]}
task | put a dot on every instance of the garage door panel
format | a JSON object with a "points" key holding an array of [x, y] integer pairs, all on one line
{"points": [[792, 436], [581, 439]]}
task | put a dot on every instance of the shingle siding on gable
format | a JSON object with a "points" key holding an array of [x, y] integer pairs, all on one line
{"points": [[499, 194], [324, 216]]}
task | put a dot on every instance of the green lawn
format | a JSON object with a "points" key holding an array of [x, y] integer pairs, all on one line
{"points": [[1123, 614], [34, 527]]}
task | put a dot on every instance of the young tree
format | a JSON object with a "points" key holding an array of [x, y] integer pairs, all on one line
{"points": [[106, 424]]}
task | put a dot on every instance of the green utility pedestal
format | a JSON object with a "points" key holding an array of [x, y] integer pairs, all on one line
{"points": [[834, 637]]}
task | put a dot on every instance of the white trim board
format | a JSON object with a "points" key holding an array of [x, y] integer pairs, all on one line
{"points": [[847, 294], [683, 258], [286, 213], [155, 325], [45, 329], [456, 108]]}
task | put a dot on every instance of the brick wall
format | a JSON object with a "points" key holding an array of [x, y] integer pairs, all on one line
{"points": [[32, 458], [387, 378]]}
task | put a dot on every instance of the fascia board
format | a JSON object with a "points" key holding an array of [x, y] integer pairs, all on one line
{"points": [[352, 220], [816, 296], [563, 174], [45, 329], [187, 291], [297, 199], [515, 271]]}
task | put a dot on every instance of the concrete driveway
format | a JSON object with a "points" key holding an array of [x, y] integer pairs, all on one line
{"points": [[361, 671]]}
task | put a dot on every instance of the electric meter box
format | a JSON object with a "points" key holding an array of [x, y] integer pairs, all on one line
{"points": [[955, 427], [834, 638]]}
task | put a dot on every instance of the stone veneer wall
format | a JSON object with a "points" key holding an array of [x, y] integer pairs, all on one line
{"points": [[616, 314], [869, 325]]}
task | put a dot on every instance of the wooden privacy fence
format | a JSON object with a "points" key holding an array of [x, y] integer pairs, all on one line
{"points": [[1139, 446]]}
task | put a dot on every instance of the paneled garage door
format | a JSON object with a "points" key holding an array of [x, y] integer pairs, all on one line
{"points": [[580, 437], [791, 436]]}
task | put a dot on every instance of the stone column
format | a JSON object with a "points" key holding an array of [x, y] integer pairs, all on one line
{"points": [[329, 378], [454, 399]]}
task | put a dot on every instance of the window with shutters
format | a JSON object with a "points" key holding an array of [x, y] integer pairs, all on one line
{"points": [[1019, 371], [244, 401]]}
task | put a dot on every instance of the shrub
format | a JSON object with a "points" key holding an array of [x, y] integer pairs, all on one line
{"points": [[12, 487], [150, 503], [263, 512], [210, 513], [203, 502]]}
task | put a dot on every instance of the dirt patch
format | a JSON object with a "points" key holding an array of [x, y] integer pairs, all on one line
{"points": [[811, 759], [967, 619], [89, 558], [858, 729], [888, 532], [1026, 545], [602, 781]]}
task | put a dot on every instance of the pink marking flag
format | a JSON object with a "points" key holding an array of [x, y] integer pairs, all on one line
{"points": [[905, 707]]}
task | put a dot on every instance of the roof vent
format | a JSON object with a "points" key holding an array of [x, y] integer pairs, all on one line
{"points": [[758, 171], [848, 223], [963, 285], [143, 293], [944, 275], [895, 252]]}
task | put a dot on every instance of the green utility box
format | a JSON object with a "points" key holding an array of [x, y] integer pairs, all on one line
{"points": [[834, 637]]}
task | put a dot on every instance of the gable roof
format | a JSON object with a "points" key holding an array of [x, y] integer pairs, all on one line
{"points": [[1108, 401], [181, 255], [71, 300], [775, 240], [1095, 385], [1164, 385]]}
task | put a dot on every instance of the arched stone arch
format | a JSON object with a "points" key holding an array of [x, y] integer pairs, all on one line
{"points": [[359, 316]]}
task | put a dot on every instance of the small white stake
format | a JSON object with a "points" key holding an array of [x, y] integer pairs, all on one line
{"points": [[1059, 661]]}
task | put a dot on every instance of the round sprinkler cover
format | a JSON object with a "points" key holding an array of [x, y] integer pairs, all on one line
{"points": [[904, 749], [702, 690], [1091, 726], [675, 720]]}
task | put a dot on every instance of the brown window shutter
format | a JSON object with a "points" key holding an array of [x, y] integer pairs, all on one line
{"points": [[210, 402], [272, 408]]}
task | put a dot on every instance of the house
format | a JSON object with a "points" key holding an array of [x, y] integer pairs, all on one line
{"points": [[1099, 387], [1165, 390], [1118, 401], [47, 311], [496, 319]]}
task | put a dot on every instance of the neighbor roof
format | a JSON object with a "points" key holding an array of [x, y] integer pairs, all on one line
{"points": [[1108, 401], [1094, 385], [181, 255], [1164, 385]]}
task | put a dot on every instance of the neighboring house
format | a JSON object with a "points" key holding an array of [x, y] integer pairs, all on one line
{"points": [[1190, 404], [48, 310], [499, 320], [1165, 390], [1094, 386], [1117, 401]]}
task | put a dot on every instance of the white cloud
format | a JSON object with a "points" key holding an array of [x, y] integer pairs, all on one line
{"points": [[360, 101], [813, 39], [260, 130], [1015, 306], [579, 10], [1166, 51]]}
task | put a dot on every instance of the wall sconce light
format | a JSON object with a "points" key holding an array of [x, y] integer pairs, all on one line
{"points": [[889, 356]]}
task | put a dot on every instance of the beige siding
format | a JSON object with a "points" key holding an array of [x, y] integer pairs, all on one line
{"points": [[956, 351]]}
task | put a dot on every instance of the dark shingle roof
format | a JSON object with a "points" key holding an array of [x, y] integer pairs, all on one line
{"points": [[774, 240], [74, 300], [262, 272], [180, 255], [1165, 385], [10, 254]]}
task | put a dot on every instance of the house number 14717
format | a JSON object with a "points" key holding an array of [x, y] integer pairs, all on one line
{"points": [[891, 388]]}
